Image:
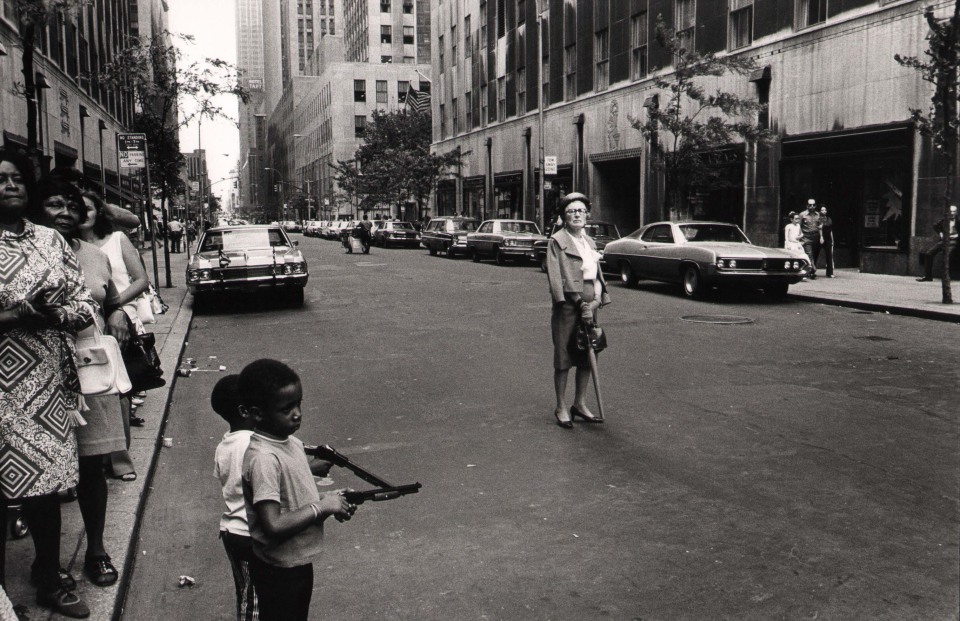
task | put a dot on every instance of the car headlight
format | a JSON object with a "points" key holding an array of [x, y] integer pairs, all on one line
{"points": [[732, 264], [797, 265], [786, 265], [509, 242], [197, 275]]}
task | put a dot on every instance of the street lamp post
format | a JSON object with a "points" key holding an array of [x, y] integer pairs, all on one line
{"points": [[280, 204]]}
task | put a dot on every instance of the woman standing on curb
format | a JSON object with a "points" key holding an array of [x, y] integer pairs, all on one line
{"points": [[578, 289], [44, 303]]}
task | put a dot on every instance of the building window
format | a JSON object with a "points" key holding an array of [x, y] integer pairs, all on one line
{"points": [[483, 23], [382, 92], [440, 49], [386, 35], [638, 45], [386, 60], [384, 6], [686, 13], [453, 46], [570, 72], [501, 18], [468, 108], [545, 72], [521, 12], [455, 115], [521, 91], [359, 90], [484, 94], [601, 54], [501, 98], [741, 23], [467, 39], [443, 121], [408, 60], [811, 12], [359, 126], [408, 35], [402, 88], [408, 6]]}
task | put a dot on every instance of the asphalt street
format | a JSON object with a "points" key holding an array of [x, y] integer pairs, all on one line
{"points": [[800, 465]]}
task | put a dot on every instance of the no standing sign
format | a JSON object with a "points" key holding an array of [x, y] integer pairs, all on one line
{"points": [[132, 150]]}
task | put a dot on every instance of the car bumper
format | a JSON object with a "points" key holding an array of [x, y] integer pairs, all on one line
{"points": [[248, 284], [752, 278], [413, 243], [527, 253]]}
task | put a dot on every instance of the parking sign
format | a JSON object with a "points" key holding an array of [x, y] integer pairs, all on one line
{"points": [[132, 150], [550, 165]]}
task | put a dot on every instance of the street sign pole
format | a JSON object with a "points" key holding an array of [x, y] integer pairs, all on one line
{"points": [[132, 152]]}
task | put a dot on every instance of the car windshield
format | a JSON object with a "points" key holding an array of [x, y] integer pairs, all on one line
{"points": [[467, 225], [238, 239], [601, 230], [401, 226], [713, 233], [519, 227]]}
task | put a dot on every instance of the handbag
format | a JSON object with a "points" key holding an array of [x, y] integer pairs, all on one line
{"points": [[159, 307], [585, 338], [142, 362], [145, 308], [100, 365]]}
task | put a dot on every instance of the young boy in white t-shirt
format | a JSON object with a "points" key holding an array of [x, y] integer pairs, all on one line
{"points": [[234, 531]]}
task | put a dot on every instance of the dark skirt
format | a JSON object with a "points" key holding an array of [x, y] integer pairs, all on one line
{"points": [[563, 324]]}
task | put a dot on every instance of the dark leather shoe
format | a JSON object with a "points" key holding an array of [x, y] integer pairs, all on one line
{"points": [[924, 279], [566, 424], [575, 412]]}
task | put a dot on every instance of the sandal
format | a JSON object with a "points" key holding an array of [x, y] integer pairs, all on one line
{"points": [[100, 570], [67, 581], [64, 602]]}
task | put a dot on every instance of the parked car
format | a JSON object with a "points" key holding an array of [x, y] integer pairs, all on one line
{"points": [[447, 235], [311, 228], [504, 240], [602, 233], [291, 226], [333, 231], [248, 259], [702, 255], [392, 233]]}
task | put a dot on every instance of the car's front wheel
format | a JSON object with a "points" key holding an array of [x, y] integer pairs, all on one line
{"points": [[449, 252], [692, 287], [295, 297], [500, 257], [777, 290], [474, 255], [627, 276], [432, 251]]}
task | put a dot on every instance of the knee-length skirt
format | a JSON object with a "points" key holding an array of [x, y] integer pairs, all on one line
{"points": [[563, 325]]}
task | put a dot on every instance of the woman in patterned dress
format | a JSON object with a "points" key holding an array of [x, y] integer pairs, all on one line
{"points": [[44, 303], [58, 204]]}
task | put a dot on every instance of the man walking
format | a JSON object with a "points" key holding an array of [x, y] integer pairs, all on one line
{"points": [[810, 229], [951, 228], [175, 230]]}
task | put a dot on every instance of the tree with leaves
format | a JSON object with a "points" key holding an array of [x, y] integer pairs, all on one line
{"points": [[692, 124], [394, 164], [154, 70], [941, 123]]}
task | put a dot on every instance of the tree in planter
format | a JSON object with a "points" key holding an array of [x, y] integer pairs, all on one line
{"points": [[941, 122], [393, 165], [693, 124], [154, 70]]}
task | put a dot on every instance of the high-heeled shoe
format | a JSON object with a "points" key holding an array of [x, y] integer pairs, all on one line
{"points": [[575, 412], [566, 424]]}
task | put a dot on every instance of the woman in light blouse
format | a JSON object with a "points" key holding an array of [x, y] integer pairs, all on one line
{"points": [[578, 289]]}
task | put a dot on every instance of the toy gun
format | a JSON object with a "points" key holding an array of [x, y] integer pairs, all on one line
{"points": [[383, 490]]}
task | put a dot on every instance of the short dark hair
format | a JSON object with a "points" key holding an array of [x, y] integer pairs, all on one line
{"points": [[102, 227], [261, 379], [225, 398], [53, 185]]}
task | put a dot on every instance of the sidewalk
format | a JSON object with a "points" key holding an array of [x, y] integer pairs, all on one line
{"points": [[125, 498], [900, 295]]}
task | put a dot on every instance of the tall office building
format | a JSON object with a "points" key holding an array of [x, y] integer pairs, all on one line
{"points": [[250, 52]]}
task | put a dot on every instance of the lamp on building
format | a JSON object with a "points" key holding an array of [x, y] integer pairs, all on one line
{"points": [[101, 126], [40, 84]]}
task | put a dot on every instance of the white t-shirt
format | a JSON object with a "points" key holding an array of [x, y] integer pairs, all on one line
{"points": [[228, 468]]}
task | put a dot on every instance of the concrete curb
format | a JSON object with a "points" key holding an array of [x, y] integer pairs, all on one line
{"points": [[906, 311]]}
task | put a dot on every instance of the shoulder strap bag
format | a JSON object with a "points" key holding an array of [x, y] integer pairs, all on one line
{"points": [[100, 365]]}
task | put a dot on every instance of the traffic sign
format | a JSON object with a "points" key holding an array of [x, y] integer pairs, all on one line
{"points": [[132, 150], [550, 164]]}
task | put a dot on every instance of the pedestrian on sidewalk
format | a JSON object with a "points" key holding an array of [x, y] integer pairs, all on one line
{"points": [[228, 467], [285, 511], [175, 231], [44, 303], [61, 207], [792, 236], [947, 230], [810, 227], [578, 290], [826, 241]]}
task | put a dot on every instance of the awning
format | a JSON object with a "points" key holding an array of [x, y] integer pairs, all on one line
{"points": [[623, 154]]}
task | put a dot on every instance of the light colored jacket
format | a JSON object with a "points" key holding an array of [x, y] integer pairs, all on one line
{"points": [[565, 269]]}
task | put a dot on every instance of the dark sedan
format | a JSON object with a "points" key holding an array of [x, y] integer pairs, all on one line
{"points": [[396, 234]]}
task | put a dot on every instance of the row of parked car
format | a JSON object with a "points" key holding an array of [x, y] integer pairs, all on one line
{"points": [[699, 256]]}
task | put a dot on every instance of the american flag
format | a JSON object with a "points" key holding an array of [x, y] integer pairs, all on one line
{"points": [[418, 101]]}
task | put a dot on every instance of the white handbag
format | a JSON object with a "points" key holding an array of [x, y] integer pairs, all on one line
{"points": [[100, 365], [144, 304]]}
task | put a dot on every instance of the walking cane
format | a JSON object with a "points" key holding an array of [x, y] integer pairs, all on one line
{"points": [[592, 357]]}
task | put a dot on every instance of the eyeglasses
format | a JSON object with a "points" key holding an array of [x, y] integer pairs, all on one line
{"points": [[576, 212]]}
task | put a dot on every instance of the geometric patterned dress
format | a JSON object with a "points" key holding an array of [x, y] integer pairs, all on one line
{"points": [[38, 382]]}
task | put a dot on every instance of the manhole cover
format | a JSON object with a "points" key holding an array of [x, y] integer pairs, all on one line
{"points": [[721, 319], [872, 337]]}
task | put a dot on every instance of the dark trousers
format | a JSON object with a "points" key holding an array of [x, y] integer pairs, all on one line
{"points": [[240, 552], [42, 514], [827, 248], [934, 251], [283, 594], [812, 248]]}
